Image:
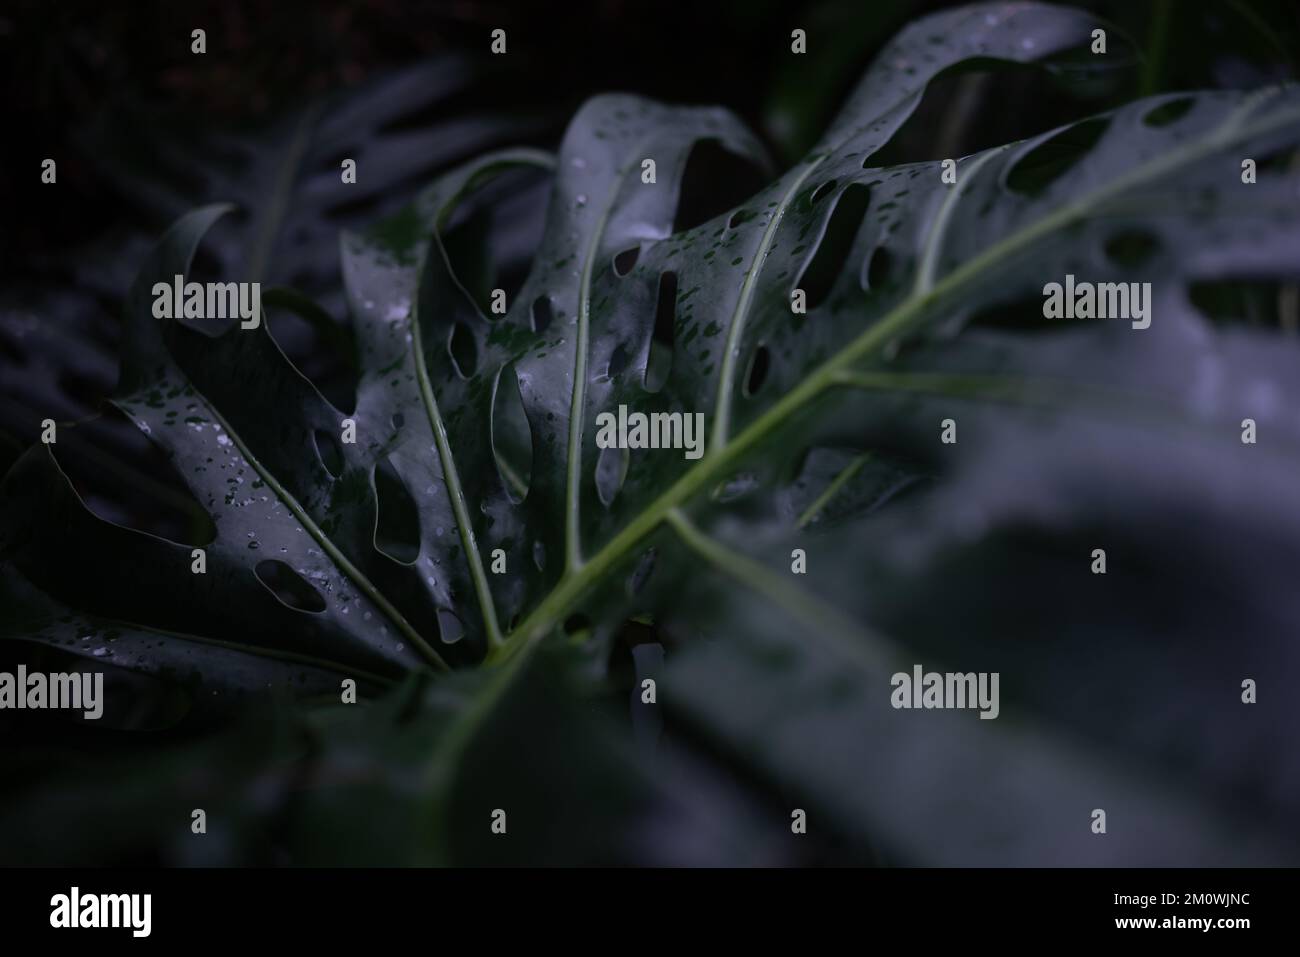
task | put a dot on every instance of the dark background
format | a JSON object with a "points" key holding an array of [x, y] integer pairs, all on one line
{"points": [[67, 65]]}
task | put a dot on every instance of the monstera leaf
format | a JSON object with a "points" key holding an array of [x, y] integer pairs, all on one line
{"points": [[1119, 691]]}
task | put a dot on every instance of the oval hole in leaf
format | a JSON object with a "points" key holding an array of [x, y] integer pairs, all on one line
{"points": [[879, 268], [833, 248], [611, 470], [758, 366], [660, 360], [617, 362], [821, 192], [739, 217], [1170, 112], [463, 350], [398, 420], [330, 451], [978, 89], [146, 492], [449, 627], [512, 437], [714, 181], [1050, 160], [397, 525], [289, 587], [492, 236], [467, 247], [542, 313], [624, 261], [320, 348], [1132, 248]]}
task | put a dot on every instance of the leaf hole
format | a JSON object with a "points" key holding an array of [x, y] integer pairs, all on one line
{"points": [[492, 237], [835, 244], [146, 492], [821, 192], [617, 362], [397, 524], [740, 217], [543, 313], [757, 374], [512, 437], [659, 362], [624, 261], [879, 268], [330, 452], [463, 350], [1047, 162], [539, 555], [976, 104], [714, 181], [450, 630], [289, 587], [320, 348]]}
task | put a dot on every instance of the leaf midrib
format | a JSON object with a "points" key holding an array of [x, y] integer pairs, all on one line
{"points": [[335, 554], [455, 494], [446, 459], [573, 560]]}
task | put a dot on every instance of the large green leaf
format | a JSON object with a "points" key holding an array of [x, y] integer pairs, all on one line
{"points": [[1072, 436]]}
